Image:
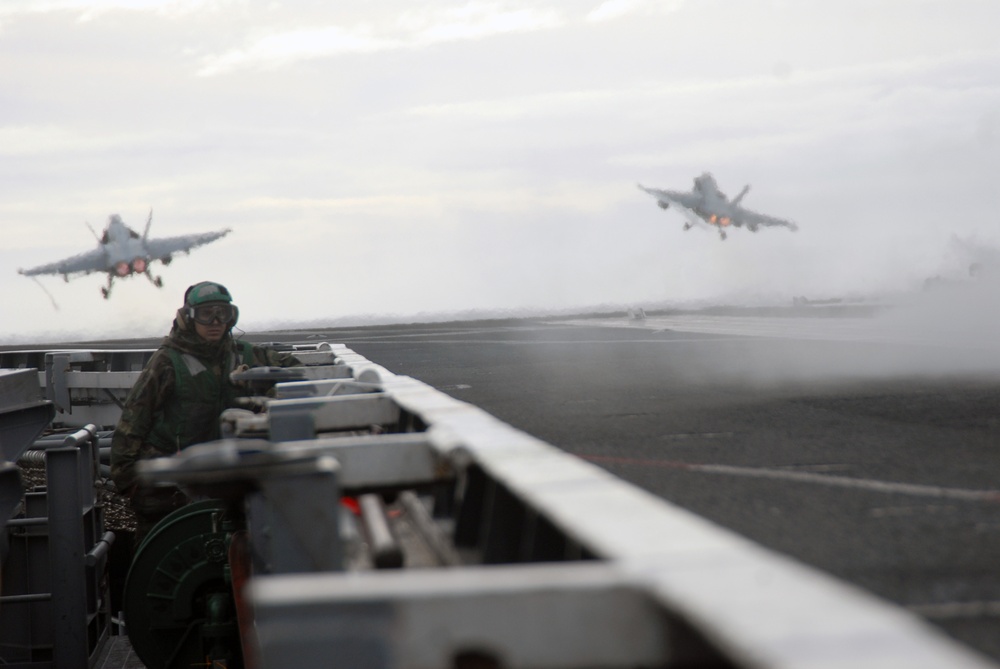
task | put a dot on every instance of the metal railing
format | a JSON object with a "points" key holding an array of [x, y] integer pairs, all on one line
{"points": [[554, 562], [534, 557], [54, 610]]}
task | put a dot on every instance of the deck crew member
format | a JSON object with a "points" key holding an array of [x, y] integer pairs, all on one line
{"points": [[180, 393]]}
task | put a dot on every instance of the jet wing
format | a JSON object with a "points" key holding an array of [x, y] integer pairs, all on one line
{"points": [[752, 220], [167, 246], [91, 261], [684, 200]]}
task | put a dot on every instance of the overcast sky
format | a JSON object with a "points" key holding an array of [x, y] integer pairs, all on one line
{"points": [[400, 159]]}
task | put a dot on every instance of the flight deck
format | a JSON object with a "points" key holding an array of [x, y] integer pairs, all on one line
{"points": [[853, 455]]}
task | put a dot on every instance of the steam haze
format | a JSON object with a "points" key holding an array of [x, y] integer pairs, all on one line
{"points": [[399, 161]]}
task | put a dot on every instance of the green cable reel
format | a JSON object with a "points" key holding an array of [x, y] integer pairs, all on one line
{"points": [[178, 599]]}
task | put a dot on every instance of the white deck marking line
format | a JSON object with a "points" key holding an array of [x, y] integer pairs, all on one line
{"points": [[856, 330], [890, 487], [785, 328], [545, 342], [953, 610], [697, 435]]}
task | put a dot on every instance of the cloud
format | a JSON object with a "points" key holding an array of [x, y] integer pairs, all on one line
{"points": [[441, 155], [91, 9], [616, 9], [477, 21], [51, 139], [848, 113], [281, 49], [412, 30]]}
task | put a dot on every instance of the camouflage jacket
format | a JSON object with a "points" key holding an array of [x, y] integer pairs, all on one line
{"points": [[154, 395]]}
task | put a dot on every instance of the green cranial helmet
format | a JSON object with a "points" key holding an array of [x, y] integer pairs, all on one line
{"points": [[208, 302], [206, 291]]}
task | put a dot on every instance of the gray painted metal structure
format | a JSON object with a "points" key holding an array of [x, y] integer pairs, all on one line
{"points": [[23, 416], [87, 387], [537, 558], [54, 608], [560, 564]]}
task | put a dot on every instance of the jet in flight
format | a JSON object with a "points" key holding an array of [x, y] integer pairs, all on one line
{"points": [[705, 203], [121, 253]]}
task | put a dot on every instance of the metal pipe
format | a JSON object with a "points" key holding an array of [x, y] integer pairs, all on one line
{"points": [[86, 433], [103, 436], [27, 522], [100, 549], [386, 551], [26, 599], [428, 529]]}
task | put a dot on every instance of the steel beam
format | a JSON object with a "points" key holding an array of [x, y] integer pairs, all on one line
{"points": [[564, 617]]}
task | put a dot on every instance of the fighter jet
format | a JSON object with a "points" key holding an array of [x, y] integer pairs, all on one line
{"points": [[707, 204], [121, 253]]}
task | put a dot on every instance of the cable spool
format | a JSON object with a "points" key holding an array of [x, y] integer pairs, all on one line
{"points": [[178, 598]]}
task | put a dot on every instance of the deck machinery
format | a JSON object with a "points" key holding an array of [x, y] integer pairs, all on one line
{"points": [[354, 517]]}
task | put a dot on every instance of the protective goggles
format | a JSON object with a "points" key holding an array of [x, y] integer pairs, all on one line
{"points": [[212, 313]]}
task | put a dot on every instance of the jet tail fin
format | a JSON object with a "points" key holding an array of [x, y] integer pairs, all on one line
{"points": [[739, 198], [92, 231], [149, 222]]}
